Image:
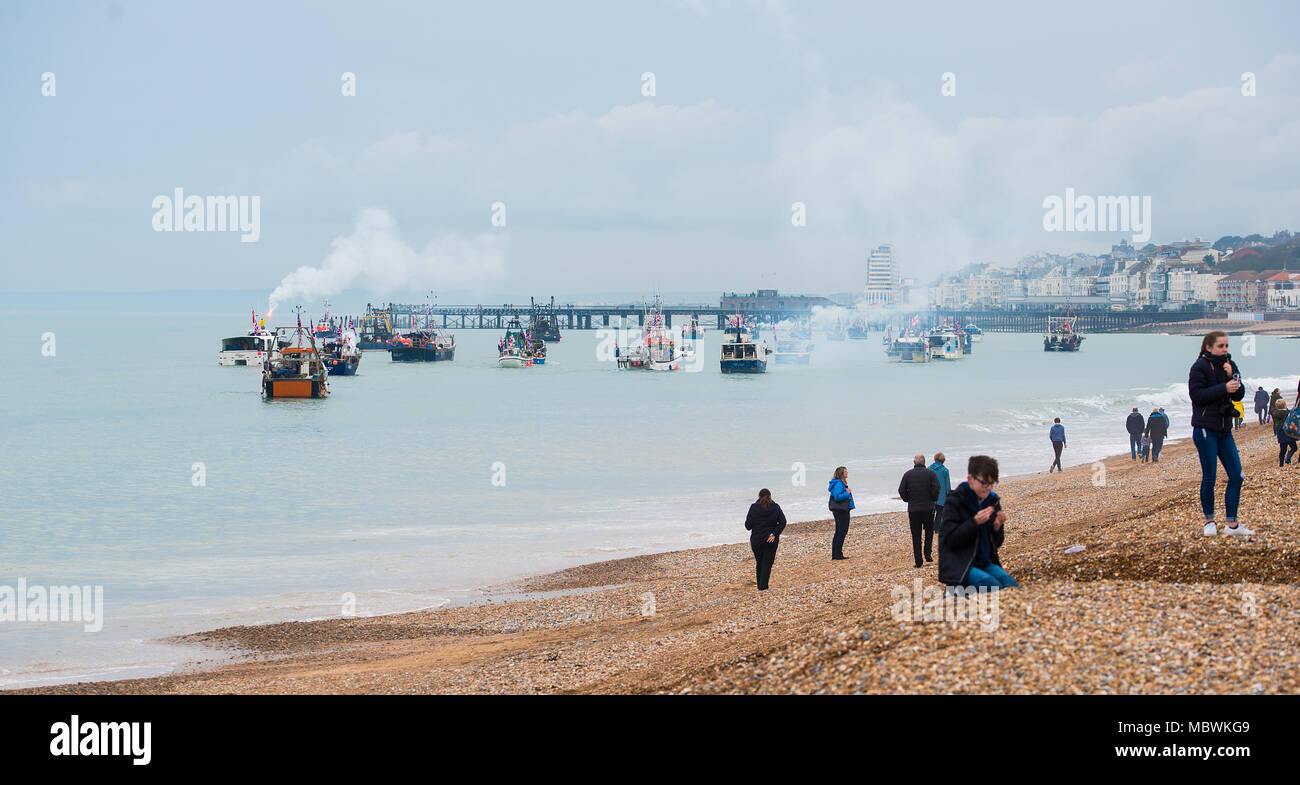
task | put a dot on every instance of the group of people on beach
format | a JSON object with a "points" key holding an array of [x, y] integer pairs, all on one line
{"points": [[969, 520]]}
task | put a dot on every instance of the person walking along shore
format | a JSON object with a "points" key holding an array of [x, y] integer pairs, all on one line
{"points": [[841, 502], [1157, 429], [1135, 425], [940, 470], [1261, 405], [1213, 383], [920, 489], [765, 522], [1057, 436]]}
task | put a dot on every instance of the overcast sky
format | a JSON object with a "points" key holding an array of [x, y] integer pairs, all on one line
{"points": [[539, 106]]}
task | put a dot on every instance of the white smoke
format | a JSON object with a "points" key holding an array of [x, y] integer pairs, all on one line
{"points": [[375, 257]]}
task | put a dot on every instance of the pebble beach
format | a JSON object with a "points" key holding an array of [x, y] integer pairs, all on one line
{"points": [[1146, 605]]}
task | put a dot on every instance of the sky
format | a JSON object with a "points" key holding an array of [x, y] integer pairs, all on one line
{"points": [[511, 148]]}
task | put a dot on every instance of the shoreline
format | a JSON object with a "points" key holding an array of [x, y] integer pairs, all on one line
{"points": [[589, 633]]}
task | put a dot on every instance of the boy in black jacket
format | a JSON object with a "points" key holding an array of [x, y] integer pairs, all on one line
{"points": [[973, 529]]}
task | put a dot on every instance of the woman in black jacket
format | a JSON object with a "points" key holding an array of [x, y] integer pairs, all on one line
{"points": [[1213, 383], [765, 522]]}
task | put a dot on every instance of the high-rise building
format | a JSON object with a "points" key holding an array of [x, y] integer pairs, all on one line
{"points": [[882, 277]]}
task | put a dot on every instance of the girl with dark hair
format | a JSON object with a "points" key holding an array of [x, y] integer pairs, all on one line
{"points": [[840, 503], [765, 522], [1213, 383]]}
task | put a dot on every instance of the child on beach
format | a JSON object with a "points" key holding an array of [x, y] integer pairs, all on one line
{"points": [[973, 529], [1146, 448], [1286, 446]]}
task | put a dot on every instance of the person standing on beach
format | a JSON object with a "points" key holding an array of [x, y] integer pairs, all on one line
{"points": [[1213, 384], [1157, 429], [973, 530], [1261, 405], [765, 522], [945, 487], [1286, 446], [1277, 404], [1057, 435], [840, 503], [1135, 425], [920, 488]]}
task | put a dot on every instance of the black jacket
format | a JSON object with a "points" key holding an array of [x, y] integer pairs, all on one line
{"points": [[1157, 426], [959, 533], [1135, 423], [1261, 399], [764, 522], [919, 488], [1207, 387]]}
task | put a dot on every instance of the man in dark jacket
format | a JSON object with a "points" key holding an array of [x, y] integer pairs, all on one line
{"points": [[1261, 405], [973, 529], [1157, 429], [1135, 425], [920, 489]]}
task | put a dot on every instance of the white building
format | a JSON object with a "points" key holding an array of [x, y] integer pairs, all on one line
{"points": [[882, 277]]}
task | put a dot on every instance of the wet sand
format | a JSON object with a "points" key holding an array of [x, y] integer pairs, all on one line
{"points": [[1149, 606]]}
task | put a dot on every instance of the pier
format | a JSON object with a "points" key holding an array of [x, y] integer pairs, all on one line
{"points": [[591, 317]]}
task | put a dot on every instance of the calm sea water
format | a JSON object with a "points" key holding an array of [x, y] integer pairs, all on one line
{"points": [[384, 491]]}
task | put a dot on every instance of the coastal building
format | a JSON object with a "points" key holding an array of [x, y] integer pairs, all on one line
{"points": [[882, 278], [770, 300], [1244, 290]]}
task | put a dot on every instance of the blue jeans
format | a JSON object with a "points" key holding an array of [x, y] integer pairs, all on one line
{"points": [[991, 576], [1134, 444], [1214, 447]]}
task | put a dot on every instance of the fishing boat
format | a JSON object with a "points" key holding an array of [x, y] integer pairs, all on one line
{"points": [[693, 331], [248, 349], [945, 343], [793, 346], [657, 348], [740, 353], [376, 328], [430, 344], [907, 347], [543, 321], [975, 333], [1061, 335], [857, 330], [295, 370], [339, 345], [513, 350]]}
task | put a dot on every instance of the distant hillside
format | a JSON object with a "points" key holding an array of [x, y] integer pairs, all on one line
{"points": [[1284, 256]]}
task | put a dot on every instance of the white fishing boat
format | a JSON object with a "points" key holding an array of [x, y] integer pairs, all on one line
{"points": [[513, 349], [248, 349], [657, 349]]}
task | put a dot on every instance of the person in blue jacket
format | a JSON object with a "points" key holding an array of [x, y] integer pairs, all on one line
{"points": [[1213, 383], [945, 487], [840, 503], [1057, 436]]}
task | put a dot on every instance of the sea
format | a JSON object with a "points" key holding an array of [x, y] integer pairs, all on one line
{"points": [[132, 462]]}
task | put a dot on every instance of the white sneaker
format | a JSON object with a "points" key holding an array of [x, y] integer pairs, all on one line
{"points": [[1210, 531], [1240, 530]]}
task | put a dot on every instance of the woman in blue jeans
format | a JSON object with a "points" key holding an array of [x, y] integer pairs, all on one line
{"points": [[1213, 383]]}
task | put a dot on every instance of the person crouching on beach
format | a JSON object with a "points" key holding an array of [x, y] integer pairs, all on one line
{"points": [[840, 503], [973, 530], [765, 522], [1213, 384]]}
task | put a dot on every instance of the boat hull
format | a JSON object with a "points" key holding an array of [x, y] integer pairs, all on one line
{"points": [[343, 366], [295, 388], [240, 358], [413, 354], [511, 362], [744, 366], [372, 346]]}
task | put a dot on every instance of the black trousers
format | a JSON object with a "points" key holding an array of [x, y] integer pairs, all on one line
{"points": [[764, 556], [1156, 444], [1057, 447], [938, 517], [921, 520], [1260, 412], [841, 531], [1283, 449]]}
